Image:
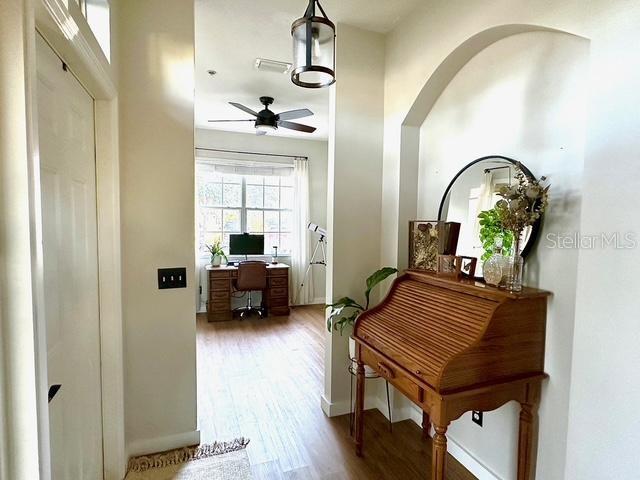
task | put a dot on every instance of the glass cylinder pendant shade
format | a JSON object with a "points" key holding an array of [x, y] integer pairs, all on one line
{"points": [[314, 49]]}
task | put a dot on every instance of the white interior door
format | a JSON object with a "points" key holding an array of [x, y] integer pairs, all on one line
{"points": [[67, 158]]}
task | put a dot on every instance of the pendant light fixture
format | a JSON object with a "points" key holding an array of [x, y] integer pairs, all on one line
{"points": [[314, 49]]}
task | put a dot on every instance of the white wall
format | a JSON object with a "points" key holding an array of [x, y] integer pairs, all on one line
{"points": [[315, 150], [19, 442], [355, 175], [522, 97], [156, 55], [605, 329]]}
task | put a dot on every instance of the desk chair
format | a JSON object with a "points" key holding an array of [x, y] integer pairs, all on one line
{"points": [[252, 276]]}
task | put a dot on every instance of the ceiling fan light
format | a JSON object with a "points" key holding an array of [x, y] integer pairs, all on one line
{"points": [[314, 48], [266, 128]]}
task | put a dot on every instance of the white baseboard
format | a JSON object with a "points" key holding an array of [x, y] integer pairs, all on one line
{"points": [[471, 463], [314, 301], [160, 444], [319, 301], [334, 409], [343, 408]]}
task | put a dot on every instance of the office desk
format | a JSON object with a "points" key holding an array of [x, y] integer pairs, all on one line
{"points": [[275, 298]]}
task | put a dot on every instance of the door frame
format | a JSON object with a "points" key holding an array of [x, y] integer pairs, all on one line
{"points": [[65, 29]]}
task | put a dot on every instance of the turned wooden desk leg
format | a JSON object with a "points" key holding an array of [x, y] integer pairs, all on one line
{"points": [[439, 456], [426, 424], [359, 407], [527, 435]]}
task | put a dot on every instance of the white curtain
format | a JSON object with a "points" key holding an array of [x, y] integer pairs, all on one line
{"points": [[301, 247], [485, 202]]}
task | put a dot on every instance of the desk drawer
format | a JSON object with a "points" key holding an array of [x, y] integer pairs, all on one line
{"points": [[279, 292], [278, 302], [218, 306], [219, 274], [397, 377], [220, 285], [219, 295], [278, 272], [279, 282]]}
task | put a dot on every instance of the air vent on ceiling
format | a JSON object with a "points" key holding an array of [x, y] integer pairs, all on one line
{"points": [[274, 66]]}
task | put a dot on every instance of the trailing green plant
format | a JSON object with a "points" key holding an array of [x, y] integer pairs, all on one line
{"points": [[346, 310], [491, 231], [216, 249]]}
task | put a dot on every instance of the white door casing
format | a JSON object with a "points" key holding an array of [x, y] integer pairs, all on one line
{"points": [[68, 180]]}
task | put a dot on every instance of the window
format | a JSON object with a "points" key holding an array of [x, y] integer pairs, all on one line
{"points": [[97, 14], [231, 203]]}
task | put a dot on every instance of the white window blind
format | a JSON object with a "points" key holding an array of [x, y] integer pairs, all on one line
{"points": [[244, 195]]}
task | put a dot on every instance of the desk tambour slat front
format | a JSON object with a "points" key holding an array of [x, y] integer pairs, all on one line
{"points": [[275, 298], [452, 346]]}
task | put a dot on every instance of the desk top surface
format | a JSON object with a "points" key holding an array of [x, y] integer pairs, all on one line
{"points": [[229, 267]]}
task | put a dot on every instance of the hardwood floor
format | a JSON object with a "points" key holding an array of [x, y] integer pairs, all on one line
{"points": [[262, 379]]}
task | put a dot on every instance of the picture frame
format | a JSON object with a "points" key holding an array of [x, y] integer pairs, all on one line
{"points": [[428, 239], [457, 266], [424, 244]]}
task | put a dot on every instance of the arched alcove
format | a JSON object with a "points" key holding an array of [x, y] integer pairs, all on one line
{"points": [[435, 84], [551, 118]]}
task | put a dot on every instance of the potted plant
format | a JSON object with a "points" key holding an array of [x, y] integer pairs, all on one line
{"points": [[492, 233], [217, 254], [345, 311]]}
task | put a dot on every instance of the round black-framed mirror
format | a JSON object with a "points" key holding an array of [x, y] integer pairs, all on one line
{"points": [[466, 179]]}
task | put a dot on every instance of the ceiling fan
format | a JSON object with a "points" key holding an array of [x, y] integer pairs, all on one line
{"points": [[267, 120]]}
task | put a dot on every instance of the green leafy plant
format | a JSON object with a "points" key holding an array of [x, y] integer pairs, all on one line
{"points": [[491, 231], [346, 310], [216, 249]]}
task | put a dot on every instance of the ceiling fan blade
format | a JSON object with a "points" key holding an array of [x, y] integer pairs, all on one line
{"points": [[293, 114], [244, 109], [297, 126], [213, 121]]}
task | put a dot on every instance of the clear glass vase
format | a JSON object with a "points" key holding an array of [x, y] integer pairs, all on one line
{"points": [[493, 269], [515, 266]]}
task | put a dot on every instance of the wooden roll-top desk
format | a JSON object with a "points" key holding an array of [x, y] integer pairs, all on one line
{"points": [[452, 346]]}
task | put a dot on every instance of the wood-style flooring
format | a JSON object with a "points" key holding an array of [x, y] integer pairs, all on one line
{"points": [[263, 378]]}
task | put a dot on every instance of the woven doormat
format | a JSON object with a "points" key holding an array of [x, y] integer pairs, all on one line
{"points": [[217, 461]]}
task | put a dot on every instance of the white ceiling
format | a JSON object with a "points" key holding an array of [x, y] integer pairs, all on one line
{"points": [[231, 34]]}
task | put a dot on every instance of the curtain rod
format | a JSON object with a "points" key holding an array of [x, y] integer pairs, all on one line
{"points": [[487, 170], [252, 153]]}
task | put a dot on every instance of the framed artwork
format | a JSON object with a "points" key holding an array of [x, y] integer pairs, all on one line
{"points": [[448, 265], [467, 267], [424, 244], [457, 266], [428, 239]]}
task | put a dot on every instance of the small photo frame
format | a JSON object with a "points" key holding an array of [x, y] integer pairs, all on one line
{"points": [[467, 267], [457, 266], [448, 265]]}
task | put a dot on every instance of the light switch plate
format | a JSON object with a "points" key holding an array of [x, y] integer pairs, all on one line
{"points": [[172, 278]]}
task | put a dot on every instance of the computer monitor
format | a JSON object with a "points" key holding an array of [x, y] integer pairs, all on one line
{"points": [[245, 244]]}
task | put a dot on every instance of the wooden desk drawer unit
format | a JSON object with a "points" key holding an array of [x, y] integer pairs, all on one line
{"points": [[275, 298], [279, 281], [453, 346], [396, 376]]}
